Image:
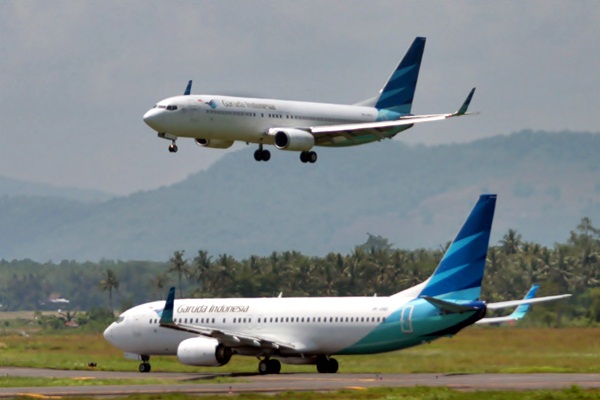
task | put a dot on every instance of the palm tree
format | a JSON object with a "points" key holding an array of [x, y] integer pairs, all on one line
{"points": [[511, 242], [159, 282], [108, 283], [179, 265]]}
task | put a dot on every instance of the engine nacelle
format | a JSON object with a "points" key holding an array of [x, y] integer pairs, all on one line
{"points": [[203, 352], [214, 143], [294, 139]]}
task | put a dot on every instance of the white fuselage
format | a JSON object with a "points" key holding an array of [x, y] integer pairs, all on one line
{"points": [[246, 119], [315, 325]]}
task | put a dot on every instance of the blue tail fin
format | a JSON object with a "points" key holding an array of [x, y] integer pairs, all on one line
{"points": [[459, 274], [398, 93]]}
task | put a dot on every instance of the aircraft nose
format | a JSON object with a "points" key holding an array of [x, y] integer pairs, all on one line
{"points": [[109, 334], [154, 118]]}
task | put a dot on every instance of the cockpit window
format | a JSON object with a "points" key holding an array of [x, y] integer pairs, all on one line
{"points": [[171, 108]]}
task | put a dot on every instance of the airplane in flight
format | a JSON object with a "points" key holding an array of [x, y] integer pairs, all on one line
{"points": [[218, 121], [208, 332]]}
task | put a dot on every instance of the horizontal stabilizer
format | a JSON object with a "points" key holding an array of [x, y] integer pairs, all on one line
{"points": [[451, 307]]}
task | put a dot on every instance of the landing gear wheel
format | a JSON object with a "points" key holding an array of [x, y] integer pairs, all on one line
{"points": [[332, 366], [263, 367], [269, 367], [327, 365], [274, 366], [173, 148], [308, 157], [262, 155], [145, 367]]}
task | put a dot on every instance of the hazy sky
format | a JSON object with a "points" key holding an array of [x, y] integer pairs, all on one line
{"points": [[76, 77]]}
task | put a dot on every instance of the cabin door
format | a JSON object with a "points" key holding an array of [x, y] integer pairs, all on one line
{"points": [[406, 319]]}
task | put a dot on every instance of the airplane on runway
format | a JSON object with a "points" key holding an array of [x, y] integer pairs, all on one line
{"points": [[208, 332], [218, 121]]}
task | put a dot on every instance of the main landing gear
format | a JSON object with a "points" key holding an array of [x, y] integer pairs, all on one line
{"points": [[327, 365], [145, 365], [269, 366], [308, 157], [173, 147], [262, 155]]}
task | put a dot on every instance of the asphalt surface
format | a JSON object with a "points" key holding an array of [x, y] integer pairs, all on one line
{"points": [[200, 383]]}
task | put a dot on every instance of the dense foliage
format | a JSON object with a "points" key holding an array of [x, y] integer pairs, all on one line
{"points": [[373, 268]]}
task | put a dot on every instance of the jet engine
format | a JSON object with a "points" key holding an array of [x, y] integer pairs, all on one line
{"points": [[294, 139], [214, 143], [203, 352]]}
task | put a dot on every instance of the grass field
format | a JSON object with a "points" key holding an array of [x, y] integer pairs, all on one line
{"points": [[475, 350], [417, 393]]}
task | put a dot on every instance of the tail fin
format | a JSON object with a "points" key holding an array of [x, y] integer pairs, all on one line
{"points": [[459, 274], [397, 94]]}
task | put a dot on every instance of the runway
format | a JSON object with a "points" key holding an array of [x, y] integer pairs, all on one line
{"points": [[200, 383]]}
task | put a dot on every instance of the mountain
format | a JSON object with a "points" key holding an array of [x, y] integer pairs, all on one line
{"points": [[416, 196], [14, 187]]}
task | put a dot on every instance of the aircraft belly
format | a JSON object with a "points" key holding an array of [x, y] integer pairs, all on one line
{"points": [[208, 127], [159, 341]]}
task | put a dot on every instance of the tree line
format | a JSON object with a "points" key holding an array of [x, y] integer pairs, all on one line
{"points": [[372, 268]]}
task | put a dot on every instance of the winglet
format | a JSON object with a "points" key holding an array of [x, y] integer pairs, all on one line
{"points": [[463, 109], [167, 315], [521, 310], [188, 89]]}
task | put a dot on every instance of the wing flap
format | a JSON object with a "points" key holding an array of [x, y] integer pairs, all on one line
{"points": [[327, 133], [363, 127]]}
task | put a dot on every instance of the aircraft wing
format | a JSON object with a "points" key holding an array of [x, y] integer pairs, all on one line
{"points": [[228, 338], [521, 310], [327, 133], [512, 303]]}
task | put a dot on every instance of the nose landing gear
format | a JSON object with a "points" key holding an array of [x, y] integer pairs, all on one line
{"points": [[145, 365]]}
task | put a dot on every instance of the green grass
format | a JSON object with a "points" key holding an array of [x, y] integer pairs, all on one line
{"points": [[475, 350], [417, 393]]}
